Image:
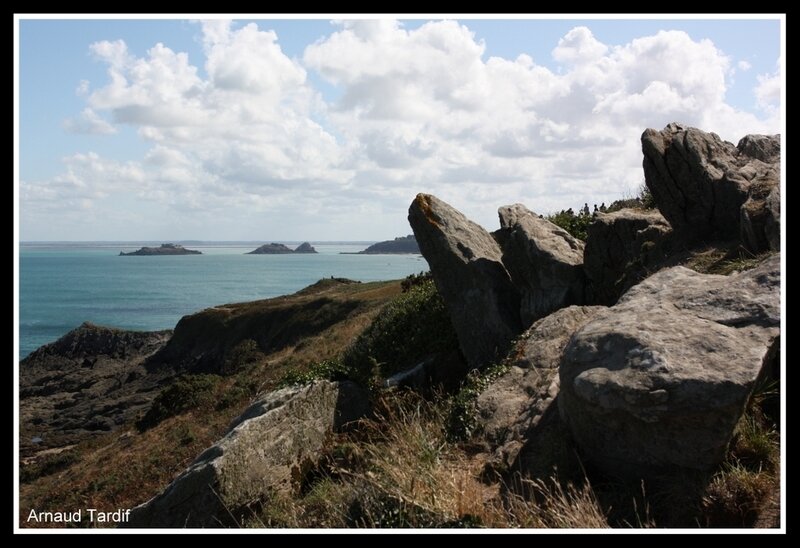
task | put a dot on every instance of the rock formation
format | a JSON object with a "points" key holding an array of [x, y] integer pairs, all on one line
{"points": [[620, 248], [466, 263], [701, 182], [88, 382], [280, 249], [544, 261], [268, 449], [165, 249], [661, 378], [517, 413]]}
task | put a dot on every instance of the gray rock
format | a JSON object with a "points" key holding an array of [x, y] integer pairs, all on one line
{"points": [[619, 248], [545, 262], [760, 218], [514, 411], [700, 182], [467, 267], [772, 223], [305, 247], [661, 378], [268, 449]]}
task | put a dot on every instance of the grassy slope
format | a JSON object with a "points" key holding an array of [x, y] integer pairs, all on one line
{"points": [[127, 467]]}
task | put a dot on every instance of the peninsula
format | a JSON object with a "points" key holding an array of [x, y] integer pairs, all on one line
{"points": [[165, 249], [400, 245]]}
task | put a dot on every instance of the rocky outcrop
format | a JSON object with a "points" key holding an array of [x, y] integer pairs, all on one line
{"points": [[517, 413], [701, 182], [760, 218], [165, 249], [400, 245], [661, 378], [545, 262], [466, 263], [620, 248], [268, 449], [305, 247], [88, 382], [280, 249]]}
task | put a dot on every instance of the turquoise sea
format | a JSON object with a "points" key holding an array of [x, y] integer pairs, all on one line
{"points": [[63, 285]]}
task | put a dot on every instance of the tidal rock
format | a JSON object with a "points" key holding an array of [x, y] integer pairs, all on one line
{"points": [[517, 413], [545, 262], [270, 249], [700, 182], [661, 379], [619, 248], [269, 449], [466, 263]]}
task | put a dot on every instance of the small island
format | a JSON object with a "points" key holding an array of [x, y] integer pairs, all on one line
{"points": [[280, 249], [165, 249], [400, 245]]}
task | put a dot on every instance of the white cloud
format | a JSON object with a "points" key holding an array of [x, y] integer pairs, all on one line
{"points": [[744, 66], [88, 122], [768, 91], [423, 110]]}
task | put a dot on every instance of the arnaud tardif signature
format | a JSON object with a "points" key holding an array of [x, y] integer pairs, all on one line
{"points": [[92, 514]]}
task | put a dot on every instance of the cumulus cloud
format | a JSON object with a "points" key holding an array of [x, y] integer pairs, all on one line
{"points": [[249, 138], [768, 91], [88, 122], [744, 66]]}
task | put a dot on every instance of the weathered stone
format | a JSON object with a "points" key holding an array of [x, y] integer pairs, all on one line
{"points": [[467, 267], [661, 378], [619, 248], [700, 182], [545, 262], [512, 410], [268, 449]]}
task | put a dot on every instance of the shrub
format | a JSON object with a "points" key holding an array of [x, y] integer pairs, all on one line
{"points": [[187, 392], [576, 225], [412, 327]]}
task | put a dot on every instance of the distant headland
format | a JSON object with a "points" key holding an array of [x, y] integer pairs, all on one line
{"points": [[279, 249], [165, 249], [400, 245]]}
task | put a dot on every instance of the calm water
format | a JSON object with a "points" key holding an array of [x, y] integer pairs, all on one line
{"points": [[63, 286]]}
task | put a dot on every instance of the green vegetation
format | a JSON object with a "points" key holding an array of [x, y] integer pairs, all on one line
{"points": [[187, 392], [462, 409], [49, 464], [413, 327]]}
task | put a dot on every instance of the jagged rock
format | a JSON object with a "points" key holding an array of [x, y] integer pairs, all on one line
{"points": [[545, 262], [305, 247], [700, 182], [760, 218], [92, 379], [517, 413], [268, 449], [661, 378], [619, 248], [165, 249], [467, 267]]}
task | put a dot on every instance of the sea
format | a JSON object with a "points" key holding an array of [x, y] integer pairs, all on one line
{"points": [[62, 285]]}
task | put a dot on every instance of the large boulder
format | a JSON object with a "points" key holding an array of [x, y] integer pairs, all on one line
{"points": [[619, 248], [545, 262], [700, 182], [466, 263], [517, 414], [268, 449], [661, 379]]}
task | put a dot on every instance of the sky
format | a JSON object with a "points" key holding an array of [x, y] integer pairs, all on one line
{"points": [[323, 130]]}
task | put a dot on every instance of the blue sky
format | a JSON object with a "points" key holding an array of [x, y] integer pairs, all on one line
{"points": [[326, 130]]}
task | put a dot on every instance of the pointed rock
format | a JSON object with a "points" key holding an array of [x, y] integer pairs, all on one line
{"points": [[466, 263]]}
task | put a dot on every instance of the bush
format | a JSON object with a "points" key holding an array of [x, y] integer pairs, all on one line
{"points": [[577, 225], [412, 327], [187, 392]]}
